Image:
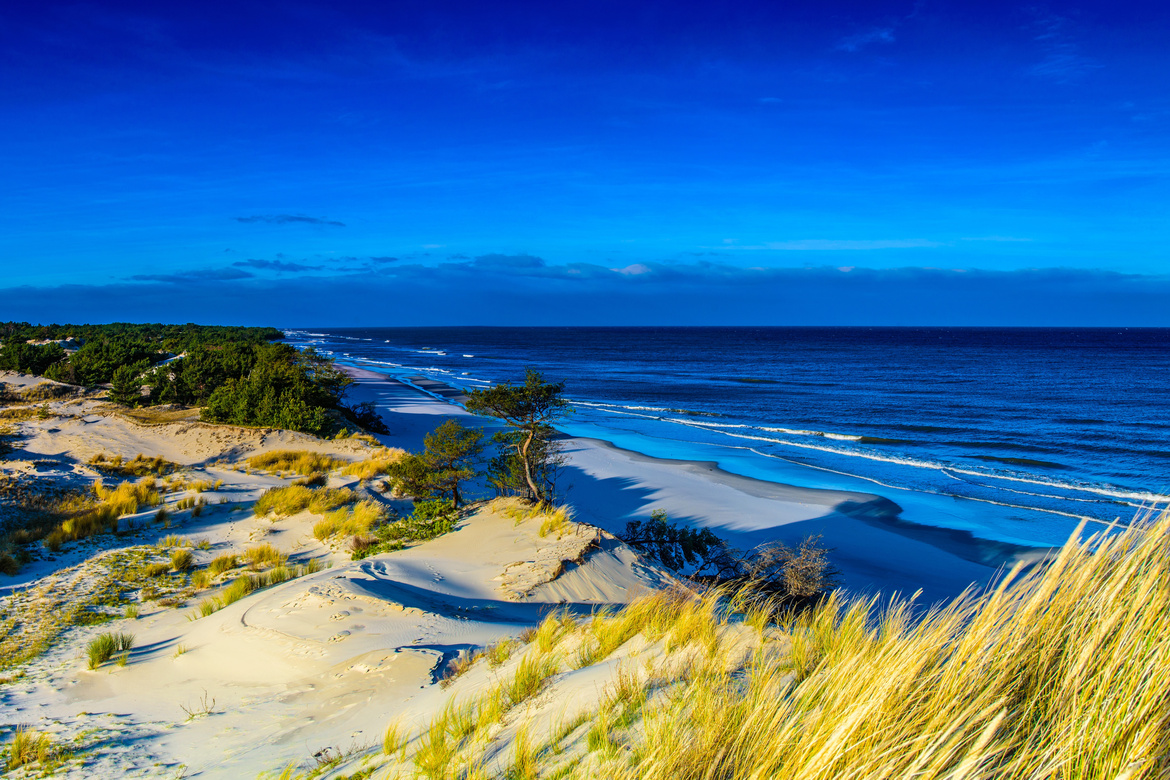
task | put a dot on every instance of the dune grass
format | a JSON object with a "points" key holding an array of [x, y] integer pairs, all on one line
{"points": [[113, 503], [103, 647], [139, 466], [262, 555], [243, 586], [221, 563], [289, 500], [182, 559], [555, 521], [297, 461], [32, 747], [374, 466], [1058, 672], [352, 520]]}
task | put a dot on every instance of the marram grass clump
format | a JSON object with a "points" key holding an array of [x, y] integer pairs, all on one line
{"points": [[297, 461], [104, 646], [353, 520], [244, 586], [1060, 672], [375, 466], [289, 500]]}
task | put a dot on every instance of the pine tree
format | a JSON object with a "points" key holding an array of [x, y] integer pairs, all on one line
{"points": [[529, 409]]}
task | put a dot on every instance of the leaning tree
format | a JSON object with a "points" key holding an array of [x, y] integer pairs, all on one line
{"points": [[529, 410]]}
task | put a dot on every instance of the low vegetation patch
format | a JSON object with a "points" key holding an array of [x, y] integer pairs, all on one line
{"points": [[375, 466], [31, 747], [799, 576], [297, 498], [243, 586], [140, 466], [104, 646], [431, 519], [37, 509], [182, 560], [93, 592], [354, 520], [264, 555], [221, 563], [297, 461], [113, 504]]}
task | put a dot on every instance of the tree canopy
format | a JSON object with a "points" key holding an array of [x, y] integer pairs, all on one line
{"points": [[450, 457], [529, 450], [238, 375]]}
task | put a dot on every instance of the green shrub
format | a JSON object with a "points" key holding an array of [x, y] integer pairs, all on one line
{"points": [[431, 519]]}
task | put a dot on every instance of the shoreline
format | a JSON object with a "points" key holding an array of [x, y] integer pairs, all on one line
{"points": [[608, 485], [877, 510]]}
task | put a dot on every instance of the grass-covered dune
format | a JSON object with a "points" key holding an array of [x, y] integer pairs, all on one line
{"points": [[1060, 672]]}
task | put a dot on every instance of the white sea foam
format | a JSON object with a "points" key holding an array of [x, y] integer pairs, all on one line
{"points": [[1145, 498]]}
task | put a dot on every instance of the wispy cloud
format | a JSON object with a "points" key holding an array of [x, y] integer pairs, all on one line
{"points": [[289, 219], [859, 40], [642, 293], [276, 265], [1062, 59], [505, 262], [195, 276]]}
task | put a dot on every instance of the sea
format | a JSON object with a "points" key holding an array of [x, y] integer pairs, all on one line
{"points": [[1014, 435]]}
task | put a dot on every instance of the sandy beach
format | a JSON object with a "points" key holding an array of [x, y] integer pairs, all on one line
{"points": [[316, 667], [608, 486]]}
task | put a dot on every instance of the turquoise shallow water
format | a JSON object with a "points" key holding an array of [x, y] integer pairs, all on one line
{"points": [[1012, 434]]}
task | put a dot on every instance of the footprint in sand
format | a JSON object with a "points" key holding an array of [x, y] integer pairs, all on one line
{"points": [[342, 615], [340, 635]]}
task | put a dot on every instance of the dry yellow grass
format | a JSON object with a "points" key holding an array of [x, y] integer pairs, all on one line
{"points": [[376, 465], [1062, 672], [264, 555], [298, 461], [114, 503], [295, 498], [554, 520], [1059, 673], [353, 520]]}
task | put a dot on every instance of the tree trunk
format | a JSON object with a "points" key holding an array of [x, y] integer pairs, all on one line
{"points": [[528, 468]]}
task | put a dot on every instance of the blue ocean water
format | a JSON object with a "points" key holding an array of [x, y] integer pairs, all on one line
{"points": [[1017, 435]]}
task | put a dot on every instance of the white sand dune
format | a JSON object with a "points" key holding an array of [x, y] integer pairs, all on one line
{"points": [[607, 487], [319, 665]]}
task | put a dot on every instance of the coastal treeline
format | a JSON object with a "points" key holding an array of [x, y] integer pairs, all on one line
{"points": [[238, 375], [90, 354]]}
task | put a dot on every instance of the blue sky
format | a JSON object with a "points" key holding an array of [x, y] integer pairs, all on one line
{"points": [[586, 163]]}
